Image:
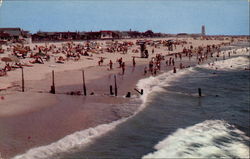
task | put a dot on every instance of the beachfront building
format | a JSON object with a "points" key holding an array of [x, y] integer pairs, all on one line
{"points": [[10, 33], [93, 35], [106, 34], [135, 34], [44, 36], [56, 36], [15, 35], [101, 35], [182, 35], [124, 35], [82, 35]]}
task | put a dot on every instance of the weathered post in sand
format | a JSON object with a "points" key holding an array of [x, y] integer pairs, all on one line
{"points": [[111, 90], [199, 91], [53, 91], [141, 91], [22, 80], [115, 87], [174, 70], [84, 85]]}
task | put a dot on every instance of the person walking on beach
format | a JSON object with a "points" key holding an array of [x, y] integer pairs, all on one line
{"points": [[170, 61], [181, 66], [173, 62], [123, 68], [134, 62], [174, 70], [110, 65], [180, 56], [120, 62], [155, 70], [166, 62], [151, 65], [158, 65], [175, 55], [145, 70], [100, 61]]}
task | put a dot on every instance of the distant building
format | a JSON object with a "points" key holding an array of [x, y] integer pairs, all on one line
{"points": [[10, 33], [93, 35], [203, 31], [57, 36], [15, 34], [106, 34], [182, 35], [124, 35]]}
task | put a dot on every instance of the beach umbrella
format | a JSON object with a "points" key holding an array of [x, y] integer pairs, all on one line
{"points": [[6, 59]]}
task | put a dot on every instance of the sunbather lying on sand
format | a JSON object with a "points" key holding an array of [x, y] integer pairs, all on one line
{"points": [[60, 60], [38, 60]]}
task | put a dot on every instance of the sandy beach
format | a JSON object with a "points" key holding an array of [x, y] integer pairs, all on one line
{"points": [[36, 117]]}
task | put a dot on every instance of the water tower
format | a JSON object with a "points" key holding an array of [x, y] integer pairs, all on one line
{"points": [[203, 31]]}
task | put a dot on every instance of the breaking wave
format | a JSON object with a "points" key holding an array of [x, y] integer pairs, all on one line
{"points": [[209, 139]]}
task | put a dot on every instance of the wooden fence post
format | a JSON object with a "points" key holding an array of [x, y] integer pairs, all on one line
{"points": [[115, 87], [53, 91], [22, 80], [84, 85], [199, 91]]}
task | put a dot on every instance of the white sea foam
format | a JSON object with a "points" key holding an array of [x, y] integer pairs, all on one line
{"points": [[209, 139], [78, 139], [154, 84], [236, 63], [69, 142]]}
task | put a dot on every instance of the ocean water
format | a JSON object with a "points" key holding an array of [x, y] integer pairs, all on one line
{"points": [[168, 16], [173, 120]]}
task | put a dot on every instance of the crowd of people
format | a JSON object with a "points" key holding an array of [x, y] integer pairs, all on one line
{"points": [[40, 54]]}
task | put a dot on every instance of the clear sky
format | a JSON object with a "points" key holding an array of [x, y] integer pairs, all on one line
{"points": [[229, 17]]}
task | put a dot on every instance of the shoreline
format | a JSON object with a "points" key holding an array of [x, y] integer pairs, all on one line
{"points": [[36, 117]]}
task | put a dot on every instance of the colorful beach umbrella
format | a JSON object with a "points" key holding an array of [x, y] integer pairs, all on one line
{"points": [[6, 59]]}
